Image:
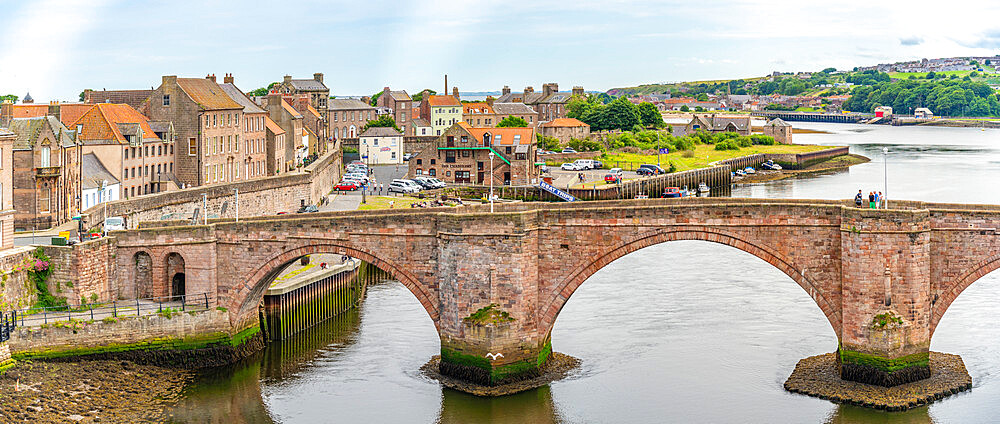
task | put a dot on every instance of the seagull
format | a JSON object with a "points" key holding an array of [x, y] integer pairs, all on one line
{"points": [[494, 356]]}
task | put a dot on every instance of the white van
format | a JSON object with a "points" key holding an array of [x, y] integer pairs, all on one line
{"points": [[113, 223], [584, 163]]}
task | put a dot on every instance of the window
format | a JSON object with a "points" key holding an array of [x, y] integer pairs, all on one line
{"points": [[507, 150], [166, 100], [237, 144], [517, 138], [465, 139], [420, 161], [45, 200], [465, 153], [479, 165], [208, 173], [394, 155], [374, 142], [451, 141], [520, 156], [192, 146], [486, 140], [420, 171], [215, 120], [433, 161], [432, 172], [449, 156], [46, 156]]}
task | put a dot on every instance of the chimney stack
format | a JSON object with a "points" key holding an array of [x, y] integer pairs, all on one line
{"points": [[288, 79], [528, 89], [578, 90], [169, 79], [454, 93], [210, 77], [228, 79], [318, 77], [445, 92], [506, 90], [550, 88]]}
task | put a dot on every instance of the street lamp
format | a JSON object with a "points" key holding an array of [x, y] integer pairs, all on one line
{"points": [[491, 179], [885, 176]]}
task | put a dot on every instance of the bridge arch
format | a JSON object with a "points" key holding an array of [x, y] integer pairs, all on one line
{"points": [[952, 291], [251, 289], [565, 289]]}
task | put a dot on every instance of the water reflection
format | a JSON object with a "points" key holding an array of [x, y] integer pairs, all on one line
{"points": [[534, 406], [847, 414]]}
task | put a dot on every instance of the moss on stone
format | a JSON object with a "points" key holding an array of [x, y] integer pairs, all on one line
{"points": [[490, 314], [200, 341], [883, 364], [6, 365]]}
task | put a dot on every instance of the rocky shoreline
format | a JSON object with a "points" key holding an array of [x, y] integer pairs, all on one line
{"points": [[558, 367], [819, 376], [89, 392], [835, 163]]}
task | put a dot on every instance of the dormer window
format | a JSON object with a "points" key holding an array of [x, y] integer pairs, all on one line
{"points": [[486, 140]]}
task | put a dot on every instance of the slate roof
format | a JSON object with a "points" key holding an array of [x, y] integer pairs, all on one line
{"points": [[381, 132], [719, 123], [27, 131], [513, 109], [777, 122], [308, 85], [207, 94], [401, 95], [101, 124], [94, 172], [420, 122], [237, 95], [347, 104]]}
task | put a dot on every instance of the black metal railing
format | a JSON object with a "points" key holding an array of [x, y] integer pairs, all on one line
{"points": [[7, 323], [118, 308]]}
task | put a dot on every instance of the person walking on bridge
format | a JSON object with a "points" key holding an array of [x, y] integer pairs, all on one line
{"points": [[857, 199], [871, 199]]}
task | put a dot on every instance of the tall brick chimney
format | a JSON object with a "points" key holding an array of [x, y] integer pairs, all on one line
{"points": [[578, 90], [228, 79], [550, 88], [318, 77], [454, 93], [54, 108], [506, 90]]}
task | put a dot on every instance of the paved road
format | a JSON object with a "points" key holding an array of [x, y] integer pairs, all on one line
{"points": [[563, 179], [351, 200]]}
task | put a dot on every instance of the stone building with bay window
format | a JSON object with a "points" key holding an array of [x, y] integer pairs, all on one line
{"points": [[461, 155]]}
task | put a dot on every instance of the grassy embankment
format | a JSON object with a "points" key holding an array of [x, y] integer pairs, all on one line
{"points": [[382, 202]]}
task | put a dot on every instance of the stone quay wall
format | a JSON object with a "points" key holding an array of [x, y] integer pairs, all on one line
{"points": [[16, 290], [802, 160], [85, 270], [260, 196]]}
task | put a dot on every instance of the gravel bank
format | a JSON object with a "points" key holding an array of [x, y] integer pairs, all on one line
{"points": [[557, 367], [819, 376]]}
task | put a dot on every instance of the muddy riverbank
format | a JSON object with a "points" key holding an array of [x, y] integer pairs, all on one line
{"points": [[107, 391], [835, 163]]}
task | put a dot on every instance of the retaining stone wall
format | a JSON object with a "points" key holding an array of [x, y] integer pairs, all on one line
{"points": [[16, 291], [88, 268]]}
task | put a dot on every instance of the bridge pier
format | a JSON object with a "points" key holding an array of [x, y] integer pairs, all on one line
{"points": [[886, 285]]}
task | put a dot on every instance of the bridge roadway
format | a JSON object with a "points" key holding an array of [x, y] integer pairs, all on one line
{"points": [[527, 259]]}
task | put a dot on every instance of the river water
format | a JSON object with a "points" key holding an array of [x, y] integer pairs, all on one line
{"points": [[685, 332]]}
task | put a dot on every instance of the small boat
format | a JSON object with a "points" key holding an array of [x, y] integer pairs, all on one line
{"points": [[642, 196], [740, 173], [770, 165], [703, 188], [749, 170], [672, 192]]}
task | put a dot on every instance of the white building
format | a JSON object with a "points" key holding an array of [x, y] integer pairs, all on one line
{"points": [[922, 112], [381, 145], [99, 185]]}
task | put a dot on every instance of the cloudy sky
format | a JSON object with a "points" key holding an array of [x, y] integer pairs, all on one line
{"points": [[56, 48]]}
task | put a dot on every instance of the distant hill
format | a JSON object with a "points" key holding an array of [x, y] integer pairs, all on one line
{"points": [[661, 88]]}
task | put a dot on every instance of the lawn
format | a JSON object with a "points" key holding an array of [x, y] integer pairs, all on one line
{"points": [[987, 71], [702, 155], [382, 202]]}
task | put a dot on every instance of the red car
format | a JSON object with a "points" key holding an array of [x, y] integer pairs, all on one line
{"points": [[346, 186]]}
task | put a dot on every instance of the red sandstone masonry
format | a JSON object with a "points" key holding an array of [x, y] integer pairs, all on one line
{"points": [[531, 258]]}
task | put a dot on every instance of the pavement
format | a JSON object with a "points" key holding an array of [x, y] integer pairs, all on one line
{"points": [[44, 236], [116, 309], [351, 200]]}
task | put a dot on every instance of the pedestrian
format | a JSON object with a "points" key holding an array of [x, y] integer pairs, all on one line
{"points": [[881, 201], [871, 199], [857, 199]]}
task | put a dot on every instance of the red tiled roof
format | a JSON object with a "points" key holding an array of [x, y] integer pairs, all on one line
{"points": [[273, 126], [207, 94], [565, 122], [506, 134], [477, 108], [71, 112], [30, 111], [291, 110], [101, 123], [443, 101]]}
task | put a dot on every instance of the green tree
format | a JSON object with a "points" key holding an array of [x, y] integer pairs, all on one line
{"points": [[82, 94], [829, 70], [382, 121], [620, 114], [512, 121], [702, 97], [13, 98], [420, 96], [650, 115], [375, 97], [263, 90], [547, 143], [684, 108]]}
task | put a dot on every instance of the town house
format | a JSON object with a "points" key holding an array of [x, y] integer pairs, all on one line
{"points": [[45, 158], [6, 189], [400, 104], [349, 116], [318, 94], [290, 120], [208, 125], [565, 129], [479, 114], [440, 111], [519, 110], [550, 103], [461, 154], [251, 154]]}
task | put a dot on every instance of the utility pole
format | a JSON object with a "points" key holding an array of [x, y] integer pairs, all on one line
{"points": [[204, 207], [491, 179], [237, 195], [885, 176]]}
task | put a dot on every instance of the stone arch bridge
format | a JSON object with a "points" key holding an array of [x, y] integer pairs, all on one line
{"points": [[860, 266]]}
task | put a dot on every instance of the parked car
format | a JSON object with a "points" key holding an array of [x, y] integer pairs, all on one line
{"points": [[407, 156], [648, 169], [347, 185], [613, 176], [308, 209], [770, 165], [568, 150], [357, 162], [584, 163], [570, 166], [544, 169], [403, 186], [424, 182], [598, 164]]}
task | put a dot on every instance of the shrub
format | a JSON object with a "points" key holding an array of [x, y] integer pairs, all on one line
{"points": [[726, 145]]}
